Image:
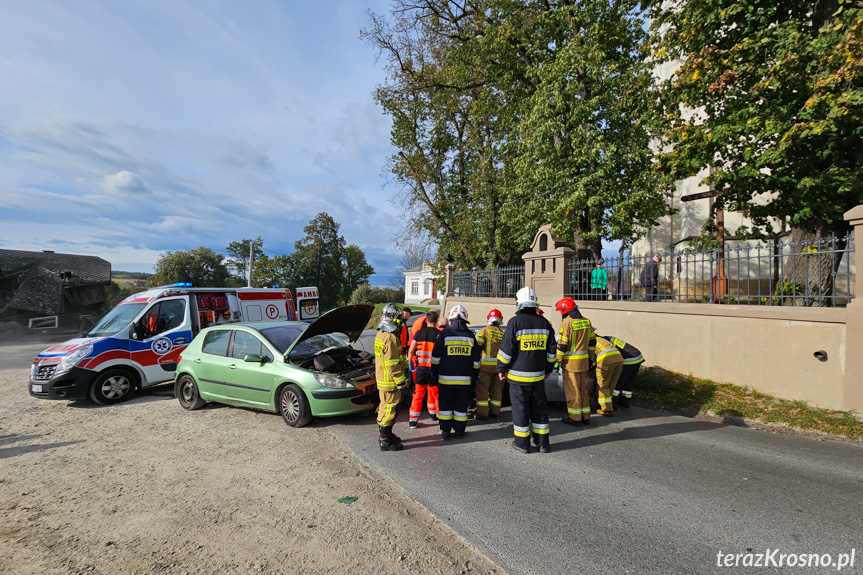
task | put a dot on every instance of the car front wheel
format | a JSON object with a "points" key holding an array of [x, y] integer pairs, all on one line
{"points": [[294, 406], [112, 386], [186, 390]]}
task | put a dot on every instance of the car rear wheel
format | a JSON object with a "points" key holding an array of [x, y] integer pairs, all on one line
{"points": [[186, 390], [112, 386], [294, 406]]}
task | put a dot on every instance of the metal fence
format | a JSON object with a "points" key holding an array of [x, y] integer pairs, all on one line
{"points": [[816, 273], [498, 282]]}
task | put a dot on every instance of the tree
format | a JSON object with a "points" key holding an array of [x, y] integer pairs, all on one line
{"points": [[238, 255], [355, 270], [362, 295], [277, 270], [512, 114], [202, 267], [769, 97], [778, 91], [317, 259]]}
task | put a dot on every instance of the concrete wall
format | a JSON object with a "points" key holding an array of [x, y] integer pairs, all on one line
{"points": [[770, 349]]}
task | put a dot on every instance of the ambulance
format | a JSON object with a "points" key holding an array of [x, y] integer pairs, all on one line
{"points": [[138, 343]]}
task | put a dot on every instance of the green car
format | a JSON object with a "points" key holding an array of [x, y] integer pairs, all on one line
{"points": [[298, 369]]}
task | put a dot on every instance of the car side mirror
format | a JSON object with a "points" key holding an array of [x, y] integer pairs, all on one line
{"points": [[253, 358], [133, 333]]}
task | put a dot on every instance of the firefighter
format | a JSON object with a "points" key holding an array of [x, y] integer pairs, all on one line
{"points": [[420, 354], [390, 367], [526, 358], [573, 356], [455, 364], [609, 364], [632, 360], [489, 389]]}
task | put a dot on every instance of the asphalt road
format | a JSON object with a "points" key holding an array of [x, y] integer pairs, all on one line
{"points": [[642, 492]]}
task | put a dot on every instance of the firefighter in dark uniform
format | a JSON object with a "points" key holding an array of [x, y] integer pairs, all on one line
{"points": [[455, 364], [526, 357], [632, 360]]}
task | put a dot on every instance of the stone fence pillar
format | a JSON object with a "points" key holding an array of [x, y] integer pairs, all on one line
{"points": [[853, 388], [545, 267]]}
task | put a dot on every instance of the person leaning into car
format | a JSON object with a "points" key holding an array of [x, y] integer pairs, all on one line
{"points": [[390, 374]]}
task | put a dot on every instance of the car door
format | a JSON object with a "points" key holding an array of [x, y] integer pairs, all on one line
{"points": [[163, 332], [250, 382], [211, 365]]}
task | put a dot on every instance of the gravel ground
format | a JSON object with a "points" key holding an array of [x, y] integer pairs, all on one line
{"points": [[144, 487]]}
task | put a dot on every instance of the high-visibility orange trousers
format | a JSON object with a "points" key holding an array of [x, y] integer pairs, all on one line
{"points": [[423, 378], [606, 379], [577, 397], [489, 392]]}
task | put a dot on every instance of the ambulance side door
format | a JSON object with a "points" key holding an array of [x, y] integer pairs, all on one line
{"points": [[162, 332]]}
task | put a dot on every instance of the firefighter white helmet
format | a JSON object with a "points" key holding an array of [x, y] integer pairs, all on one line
{"points": [[389, 313], [525, 297], [458, 311]]}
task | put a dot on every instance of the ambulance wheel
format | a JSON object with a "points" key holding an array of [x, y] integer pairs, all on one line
{"points": [[112, 386], [186, 390], [294, 406]]}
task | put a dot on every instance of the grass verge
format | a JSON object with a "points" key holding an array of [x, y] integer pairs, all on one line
{"points": [[662, 389]]}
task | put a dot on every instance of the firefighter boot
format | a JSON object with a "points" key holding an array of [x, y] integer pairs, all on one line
{"points": [[386, 443], [393, 437], [624, 402], [615, 401]]}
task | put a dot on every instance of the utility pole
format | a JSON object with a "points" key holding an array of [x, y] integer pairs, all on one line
{"points": [[251, 260]]}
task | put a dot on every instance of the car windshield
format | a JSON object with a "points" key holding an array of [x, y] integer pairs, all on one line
{"points": [[117, 319], [283, 336], [317, 344]]}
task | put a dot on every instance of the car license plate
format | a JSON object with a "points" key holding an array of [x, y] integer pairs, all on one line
{"points": [[37, 389]]}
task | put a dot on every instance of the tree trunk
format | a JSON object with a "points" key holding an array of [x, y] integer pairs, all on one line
{"points": [[809, 271]]}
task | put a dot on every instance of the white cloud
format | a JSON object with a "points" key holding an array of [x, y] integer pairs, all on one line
{"points": [[123, 182]]}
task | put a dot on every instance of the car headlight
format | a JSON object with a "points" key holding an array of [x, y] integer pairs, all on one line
{"points": [[72, 359], [330, 380]]}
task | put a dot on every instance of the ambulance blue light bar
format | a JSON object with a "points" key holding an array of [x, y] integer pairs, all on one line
{"points": [[181, 284]]}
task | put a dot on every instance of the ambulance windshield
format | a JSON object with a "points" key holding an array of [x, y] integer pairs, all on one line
{"points": [[117, 319]]}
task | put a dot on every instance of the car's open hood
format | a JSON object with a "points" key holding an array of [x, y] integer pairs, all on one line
{"points": [[350, 320]]}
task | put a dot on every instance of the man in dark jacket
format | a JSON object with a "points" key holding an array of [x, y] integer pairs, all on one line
{"points": [[650, 279], [632, 360], [526, 357], [455, 365]]}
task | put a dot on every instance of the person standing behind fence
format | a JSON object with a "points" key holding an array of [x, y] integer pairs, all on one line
{"points": [[455, 364], [598, 281], [650, 279], [526, 358], [420, 355], [489, 388]]}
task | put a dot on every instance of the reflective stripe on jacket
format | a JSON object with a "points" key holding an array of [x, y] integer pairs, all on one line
{"points": [[606, 353], [455, 357], [425, 339], [631, 354], [527, 352]]}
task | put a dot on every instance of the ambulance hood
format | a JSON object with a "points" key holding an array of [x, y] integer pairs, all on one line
{"points": [[350, 320], [67, 347]]}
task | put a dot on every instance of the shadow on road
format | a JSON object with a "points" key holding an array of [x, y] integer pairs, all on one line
{"points": [[7, 452]]}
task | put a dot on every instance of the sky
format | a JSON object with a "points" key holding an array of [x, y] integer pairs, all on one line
{"points": [[129, 129]]}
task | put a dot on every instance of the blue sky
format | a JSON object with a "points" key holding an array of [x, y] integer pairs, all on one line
{"points": [[131, 128]]}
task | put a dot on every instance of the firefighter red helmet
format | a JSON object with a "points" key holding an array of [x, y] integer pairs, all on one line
{"points": [[494, 316], [565, 305]]}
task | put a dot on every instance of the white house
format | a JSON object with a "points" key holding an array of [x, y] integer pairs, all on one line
{"points": [[420, 285]]}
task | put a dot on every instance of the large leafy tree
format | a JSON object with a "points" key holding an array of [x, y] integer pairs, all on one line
{"points": [[202, 267], [317, 259], [770, 96], [355, 271], [509, 114]]}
